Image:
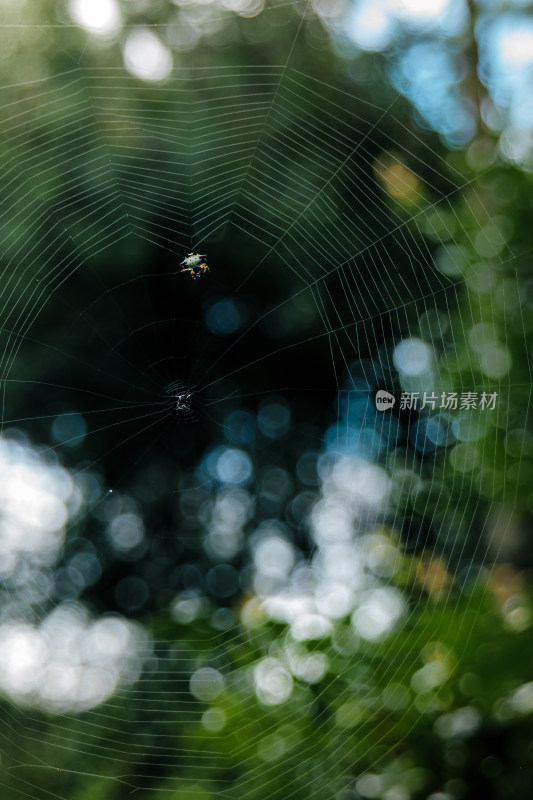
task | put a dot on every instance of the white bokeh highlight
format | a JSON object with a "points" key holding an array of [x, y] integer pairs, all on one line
{"points": [[101, 17], [70, 662], [146, 56]]}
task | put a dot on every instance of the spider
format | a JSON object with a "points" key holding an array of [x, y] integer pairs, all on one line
{"points": [[194, 264], [196, 271], [183, 402], [192, 260]]}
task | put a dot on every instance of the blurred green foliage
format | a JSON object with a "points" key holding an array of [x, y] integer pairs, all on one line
{"points": [[449, 715]]}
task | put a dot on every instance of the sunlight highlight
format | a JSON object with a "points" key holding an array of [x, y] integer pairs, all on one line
{"points": [[146, 56], [101, 17]]}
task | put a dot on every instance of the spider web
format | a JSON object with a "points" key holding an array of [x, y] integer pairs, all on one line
{"points": [[106, 187]]}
